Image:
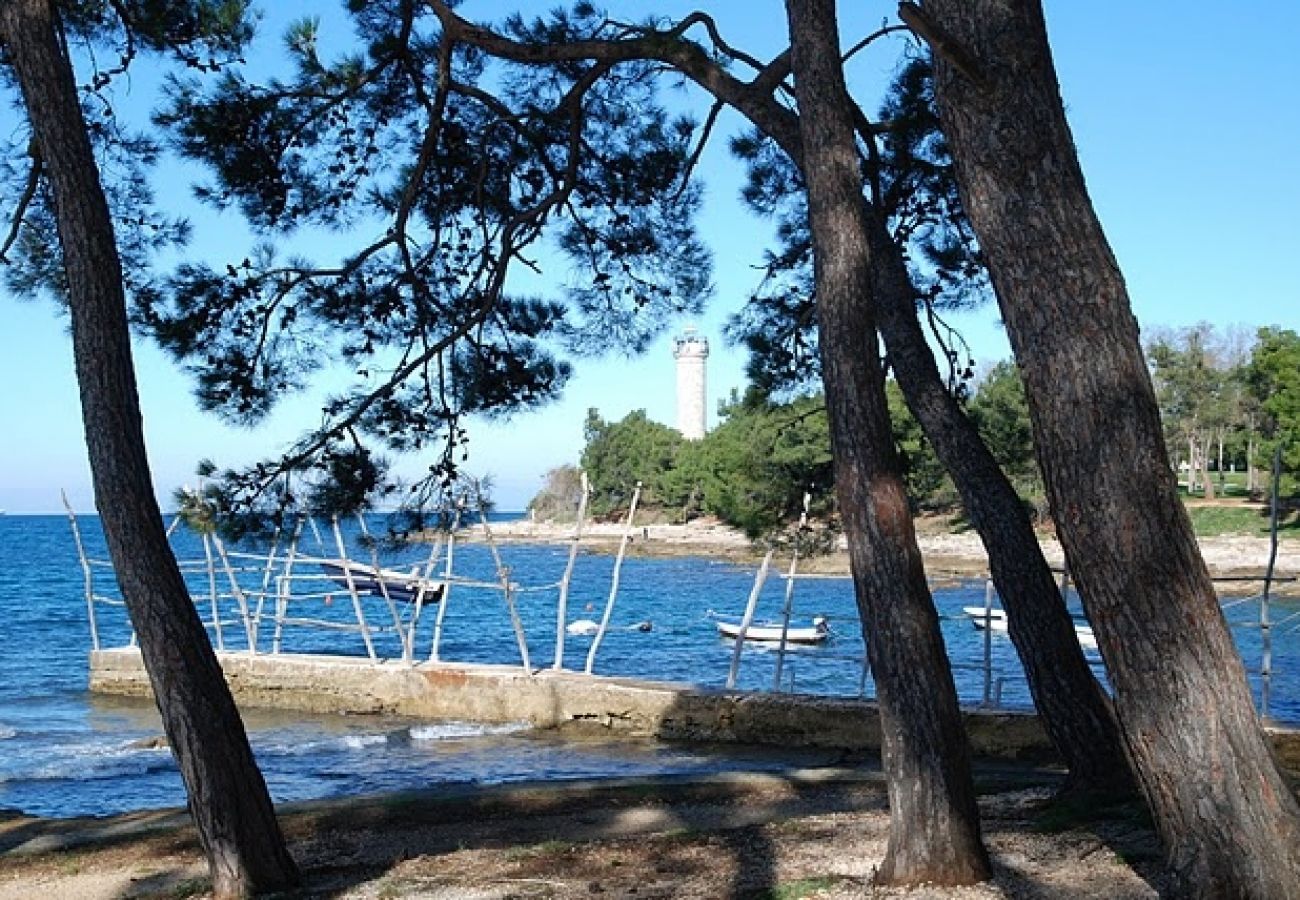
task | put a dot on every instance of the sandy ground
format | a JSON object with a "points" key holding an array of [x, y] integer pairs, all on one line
{"points": [[947, 552], [816, 833]]}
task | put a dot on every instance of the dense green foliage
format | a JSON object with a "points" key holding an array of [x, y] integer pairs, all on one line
{"points": [[751, 471], [1001, 413], [1227, 401], [1273, 377]]}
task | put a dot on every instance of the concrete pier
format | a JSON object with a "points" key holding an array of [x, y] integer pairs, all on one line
{"points": [[579, 703]]}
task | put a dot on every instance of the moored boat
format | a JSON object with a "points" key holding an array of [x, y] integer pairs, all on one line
{"points": [[403, 587], [770, 632], [995, 619]]}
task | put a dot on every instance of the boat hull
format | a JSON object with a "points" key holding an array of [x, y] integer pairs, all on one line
{"points": [[400, 587], [771, 634]]}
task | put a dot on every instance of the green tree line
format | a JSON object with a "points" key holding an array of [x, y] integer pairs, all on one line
{"points": [[1227, 401]]}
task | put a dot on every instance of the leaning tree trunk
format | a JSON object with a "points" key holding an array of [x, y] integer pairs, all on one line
{"points": [[934, 824], [1228, 820], [228, 798], [1074, 710]]}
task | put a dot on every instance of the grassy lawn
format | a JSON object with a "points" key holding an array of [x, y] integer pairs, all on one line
{"points": [[1248, 520]]}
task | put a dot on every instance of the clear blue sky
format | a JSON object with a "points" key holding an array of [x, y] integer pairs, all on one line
{"points": [[1187, 123]]}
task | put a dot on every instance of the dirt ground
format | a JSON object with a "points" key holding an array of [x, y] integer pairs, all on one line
{"points": [[809, 834]]}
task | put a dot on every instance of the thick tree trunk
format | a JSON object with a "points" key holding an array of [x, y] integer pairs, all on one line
{"points": [[1071, 704], [228, 798], [934, 835], [1228, 820]]}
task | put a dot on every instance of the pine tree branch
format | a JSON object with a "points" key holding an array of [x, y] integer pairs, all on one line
{"points": [[25, 201], [944, 44]]}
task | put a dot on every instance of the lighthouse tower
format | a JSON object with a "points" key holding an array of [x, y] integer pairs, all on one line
{"points": [[691, 352]]}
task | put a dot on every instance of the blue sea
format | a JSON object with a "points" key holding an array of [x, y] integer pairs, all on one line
{"points": [[64, 752]]}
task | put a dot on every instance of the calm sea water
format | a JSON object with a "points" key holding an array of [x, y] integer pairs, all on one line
{"points": [[64, 752]]}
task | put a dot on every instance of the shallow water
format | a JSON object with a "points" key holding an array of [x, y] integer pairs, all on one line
{"points": [[64, 752]]}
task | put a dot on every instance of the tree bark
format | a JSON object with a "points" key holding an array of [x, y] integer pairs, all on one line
{"points": [[228, 797], [1074, 710], [1227, 819], [934, 833]]}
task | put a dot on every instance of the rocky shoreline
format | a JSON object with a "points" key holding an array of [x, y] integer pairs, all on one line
{"points": [[948, 553]]}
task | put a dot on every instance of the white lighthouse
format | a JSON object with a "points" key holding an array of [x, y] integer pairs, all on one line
{"points": [[691, 352]]}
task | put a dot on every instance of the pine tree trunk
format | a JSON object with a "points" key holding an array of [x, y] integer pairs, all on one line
{"points": [[1075, 712], [934, 833], [228, 798], [1252, 479], [1207, 483], [1228, 821]]}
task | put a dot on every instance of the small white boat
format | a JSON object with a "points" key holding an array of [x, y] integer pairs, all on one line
{"points": [[996, 620], [402, 587], [582, 627], [770, 632]]}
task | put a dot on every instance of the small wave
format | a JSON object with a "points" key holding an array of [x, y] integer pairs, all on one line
{"points": [[6, 732], [358, 741], [444, 731]]}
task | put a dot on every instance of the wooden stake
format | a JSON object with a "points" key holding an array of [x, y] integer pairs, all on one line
{"points": [[352, 589], [613, 585], [754, 593], [88, 577], [562, 605]]}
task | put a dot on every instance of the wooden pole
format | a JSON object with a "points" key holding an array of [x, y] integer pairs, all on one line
{"points": [[562, 605], [352, 589], [417, 606], [613, 585], [266, 584], [988, 640], [787, 607], [1265, 628], [507, 590], [284, 587], [446, 583], [212, 592], [383, 585], [747, 619], [87, 576], [238, 593]]}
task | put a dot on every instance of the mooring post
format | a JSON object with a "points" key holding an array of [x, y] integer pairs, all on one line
{"points": [[562, 604], [1265, 629], [212, 592], [787, 607], [613, 584], [745, 621], [988, 641], [88, 577], [352, 588], [284, 588], [383, 584], [417, 605], [446, 582], [266, 584], [238, 593], [507, 589]]}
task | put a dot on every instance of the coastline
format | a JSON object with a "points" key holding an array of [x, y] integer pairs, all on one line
{"points": [[949, 555]]}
